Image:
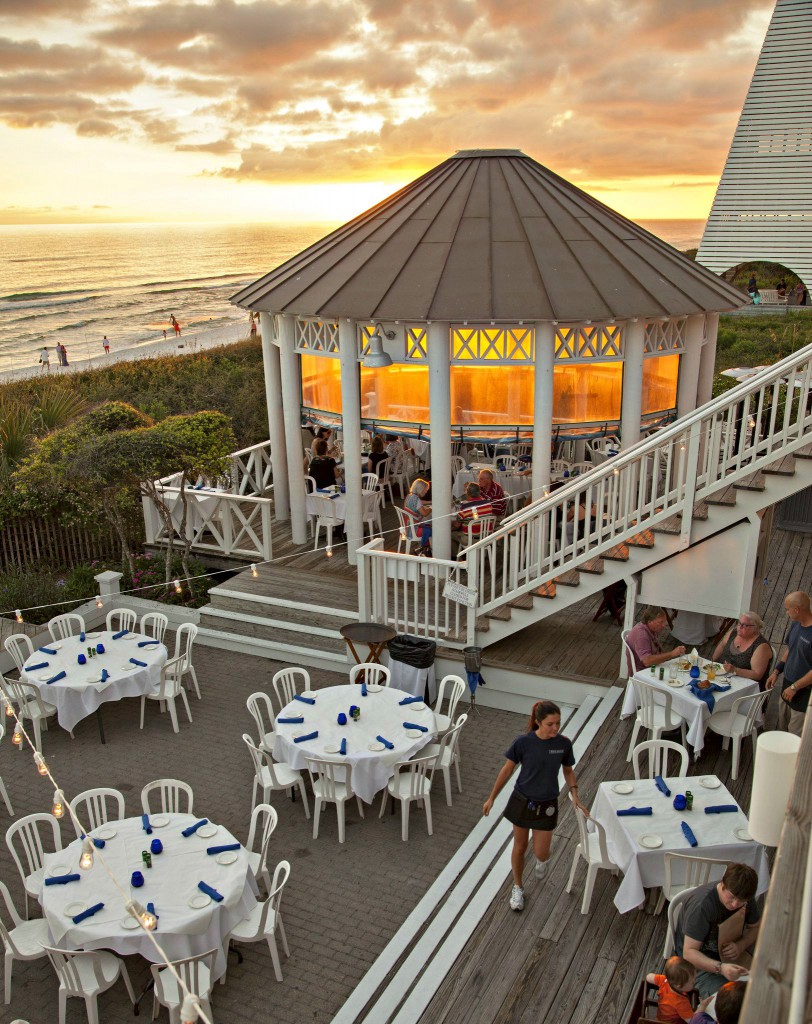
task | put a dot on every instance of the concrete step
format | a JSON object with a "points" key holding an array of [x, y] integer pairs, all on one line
{"points": [[293, 654], [264, 628]]}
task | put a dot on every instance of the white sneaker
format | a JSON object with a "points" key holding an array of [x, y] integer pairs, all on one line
{"points": [[517, 898], [540, 869]]}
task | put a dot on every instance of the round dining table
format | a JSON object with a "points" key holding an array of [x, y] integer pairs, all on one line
{"points": [[189, 921], [383, 713], [80, 691]]}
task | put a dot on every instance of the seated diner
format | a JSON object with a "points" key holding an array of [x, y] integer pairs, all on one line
{"points": [[322, 468], [420, 510], [644, 640], [744, 651]]}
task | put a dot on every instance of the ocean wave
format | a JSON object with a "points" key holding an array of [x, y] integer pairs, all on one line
{"points": [[24, 296], [180, 280], [15, 304]]}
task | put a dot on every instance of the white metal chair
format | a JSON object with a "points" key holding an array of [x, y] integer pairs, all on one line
{"points": [[29, 704], [456, 688], [675, 908], [121, 618], [286, 684], [332, 784], [658, 751], [684, 871], [168, 691], [3, 790], [407, 530], [410, 784], [184, 640], [154, 624], [266, 919], [592, 849], [27, 834], [173, 793], [272, 776], [19, 646], [261, 709], [196, 973], [263, 825], [91, 808], [326, 516], [372, 675], [63, 626], [85, 975], [738, 723], [654, 714], [446, 754], [22, 940]]}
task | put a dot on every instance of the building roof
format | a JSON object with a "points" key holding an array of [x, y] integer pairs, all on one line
{"points": [[490, 235]]}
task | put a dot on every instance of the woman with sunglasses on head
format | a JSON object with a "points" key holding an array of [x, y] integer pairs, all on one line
{"points": [[744, 651], [533, 805]]}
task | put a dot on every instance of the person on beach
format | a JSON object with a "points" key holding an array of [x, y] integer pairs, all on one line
{"points": [[106, 344], [45, 359], [59, 353], [533, 804], [253, 327], [164, 334]]}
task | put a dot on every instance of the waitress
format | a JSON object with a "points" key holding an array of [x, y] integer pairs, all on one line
{"points": [[533, 805]]}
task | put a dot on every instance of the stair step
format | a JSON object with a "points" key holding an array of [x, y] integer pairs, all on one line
{"points": [[644, 539], [803, 453], [570, 578], [619, 553], [700, 510], [594, 565], [727, 496], [671, 525], [545, 590], [502, 613], [239, 624], [522, 601], [753, 482], [784, 467], [482, 626]]}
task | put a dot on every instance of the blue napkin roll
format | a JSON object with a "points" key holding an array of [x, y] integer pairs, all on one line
{"points": [[686, 831], [39, 665], [363, 689], [120, 634], [88, 913], [151, 910], [722, 809], [190, 831], [145, 825], [289, 721], [140, 664], [223, 849], [207, 889], [62, 879], [634, 811], [47, 650], [304, 739], [411, 700], [386, 743], [412, 725], [304, 700], [82, 637], [56, 678], [105, 675], [659, 782], [343, 749], [148, 643]]}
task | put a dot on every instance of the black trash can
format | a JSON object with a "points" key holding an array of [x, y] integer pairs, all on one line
{"points": [[411, 660], [412, 650]]}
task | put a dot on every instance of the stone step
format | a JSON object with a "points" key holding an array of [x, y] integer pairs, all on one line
{"points": [[263, 628], [784, 467], [753, 482], [570, 578]]}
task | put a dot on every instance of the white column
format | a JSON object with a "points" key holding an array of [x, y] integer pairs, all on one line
{"points": [[276, 418], [630, 410], [689, 364], [351, 434], [440, 424], [707, 362], [543, 407], [292, 410]]}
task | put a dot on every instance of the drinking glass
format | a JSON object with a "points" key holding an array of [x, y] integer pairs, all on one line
{"points": [[673, 668]]}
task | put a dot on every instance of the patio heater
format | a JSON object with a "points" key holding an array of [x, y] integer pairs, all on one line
{"points": [[473, 663]]}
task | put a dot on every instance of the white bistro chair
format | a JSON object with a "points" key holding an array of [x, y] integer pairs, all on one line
{"points": [[577, 468], [446, 754], [261, 710], [371, 506], [266, 919], [592, 849], [26, 839], [443, 717], [263, 825], [63, 626], [91, 808], [684, 871], [287, 682], [326, 516], [675, 908], [196, 974], [29, 705], [3, 790], [658, 756], [154, 624], [19, 646], [272, 776], [407, 530], [457, 466], [85, 975], [653, 714], [738, 723], [184, 640], [169, 691], [332, 784], [410, 784], [560, 466], [22, 940], [174, 795], [121, 618], [372, 675]]}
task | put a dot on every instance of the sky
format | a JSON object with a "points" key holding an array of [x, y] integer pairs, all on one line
{"points": [[314, 110]]}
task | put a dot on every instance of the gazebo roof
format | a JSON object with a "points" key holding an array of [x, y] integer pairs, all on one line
{"points": [[489, 234]]}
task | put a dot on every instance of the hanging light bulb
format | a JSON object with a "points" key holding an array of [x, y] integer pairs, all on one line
{"points": [[58, 808], [99, 602], [18, 615], [86, 860], [329, 552], [402, 534], [254, 571], [474, 513], [9, 710], [144, 917], [39, 761], [616, 471], [190, 1011], [177, 586], [17, 738]]}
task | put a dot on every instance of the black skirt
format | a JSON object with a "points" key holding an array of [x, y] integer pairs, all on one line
{"points": [[539, 815]]}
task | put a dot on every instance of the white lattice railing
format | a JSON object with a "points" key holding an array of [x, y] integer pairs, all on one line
{"points": [[742, 431], [251, 470], [217, 522]]}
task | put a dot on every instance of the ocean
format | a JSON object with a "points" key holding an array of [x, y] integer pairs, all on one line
{"points": [[77, 283]]}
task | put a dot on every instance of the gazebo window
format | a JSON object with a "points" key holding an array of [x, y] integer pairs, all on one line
{"points": [[317, 336], [587, 394], [491, 395], [589, 341], [398, 392], [480, 344], [660, 378], [321, 383]]}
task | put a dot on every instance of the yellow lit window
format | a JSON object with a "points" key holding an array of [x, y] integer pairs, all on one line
{"points": [[587, 392], [321, 383], [660, 376]]}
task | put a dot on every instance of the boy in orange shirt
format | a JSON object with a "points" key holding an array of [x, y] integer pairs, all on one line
{"points": [[674, 1006]]}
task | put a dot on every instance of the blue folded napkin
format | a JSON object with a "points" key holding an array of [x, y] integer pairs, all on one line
{"points": [[412, 725], [706, 695], [190, 831], [98, 843], [105, 675], [323, 490], [289, 721], [82, 637], [207, 889], [140, 664], [56, 678], [151, 910], [634, 811], [386, 743], [411, 700], [223, 849], [304, 739], [88, 913], [62, 879], [145, 825], [47, 650], [659, 782], [147, 643], [722, 809], [343, 749], [304, 700], [39, 665], [363, 689], [120, 634], [686, 831]]}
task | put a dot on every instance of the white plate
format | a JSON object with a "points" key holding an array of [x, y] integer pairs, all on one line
{"points": [[709, 782], [92, 636], [106, 833], [332, 749], [376, 747], [72, 909], [200, 901], [228, 857], [743, 834], [623, 787], [651, 842], [374, 688], [57, 646], [206, 832], [58, 869], [419, 706], [129, 924], [308, 693], [676, 683], [46, 677], [159, 820], [415, 733]]}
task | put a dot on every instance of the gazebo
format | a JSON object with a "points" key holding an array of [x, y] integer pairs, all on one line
{"points": [[488, 297]]}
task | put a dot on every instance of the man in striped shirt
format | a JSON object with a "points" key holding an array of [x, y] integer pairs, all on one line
{"points": [[492, 492]]}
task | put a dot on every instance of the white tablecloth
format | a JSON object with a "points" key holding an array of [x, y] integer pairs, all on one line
{"points": [[339, 504], [509, 482], [170, 884], [381, 715], [79, 694], [413, 680], [693, 710], [643, 868]]}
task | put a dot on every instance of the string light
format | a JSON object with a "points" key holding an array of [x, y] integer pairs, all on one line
{"points": [[18, 615], [141, 914], [17, 738], [329, 552], [177, 586], [9, 710], [86, 860], [58, 808], [39, 761], [99, 602], [190, 1011], [254, 571]]}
